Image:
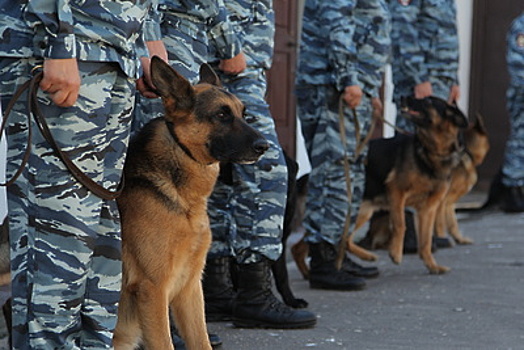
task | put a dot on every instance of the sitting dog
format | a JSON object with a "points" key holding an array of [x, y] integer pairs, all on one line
{"points": [[412, 170], [463, 178], [170, 171]]}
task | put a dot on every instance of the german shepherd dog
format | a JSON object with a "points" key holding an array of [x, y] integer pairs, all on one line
{"points": [[463, 178], [170, 171], [412, 170]]}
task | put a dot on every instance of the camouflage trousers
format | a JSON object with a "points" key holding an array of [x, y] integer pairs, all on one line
{"points": [[441, 88], [327, 199], [247, 214], [65, 241], [186, 44], [513, 166]]}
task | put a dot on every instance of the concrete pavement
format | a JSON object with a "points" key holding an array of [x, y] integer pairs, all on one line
{"points": [[478, 305]]}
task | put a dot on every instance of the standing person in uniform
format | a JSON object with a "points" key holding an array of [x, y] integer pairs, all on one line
{"points": [[187, 29], [425, 51], [343, 52], [512, 176], [247, 206], [66, 241]]}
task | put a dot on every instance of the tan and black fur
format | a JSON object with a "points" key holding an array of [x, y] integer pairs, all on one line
{"points": [[412, 171], [408, 171], [170, 171], [463, 178]]}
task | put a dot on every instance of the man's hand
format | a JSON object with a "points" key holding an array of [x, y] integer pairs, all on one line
{"points": [[352, 95], [233, 66], [144, 84], [61, 80], [454, 94], [423, 90]]}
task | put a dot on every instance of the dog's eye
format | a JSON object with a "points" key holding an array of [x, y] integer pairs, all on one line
{"points": [[224, 117]]}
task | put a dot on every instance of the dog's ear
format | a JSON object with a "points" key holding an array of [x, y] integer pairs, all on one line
{"points": [[479, 124], [208, 75], [171, 85], [456, 116]]}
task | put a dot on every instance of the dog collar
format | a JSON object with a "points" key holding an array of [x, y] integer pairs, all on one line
{"points": [[171, 127]]}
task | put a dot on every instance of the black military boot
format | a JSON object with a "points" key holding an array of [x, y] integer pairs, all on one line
{"points": [[255, 305], [218, 290], [358, 270], [323, 273], [513, 201]]}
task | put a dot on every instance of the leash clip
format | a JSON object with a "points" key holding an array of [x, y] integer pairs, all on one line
{"points": [[37, 67]]}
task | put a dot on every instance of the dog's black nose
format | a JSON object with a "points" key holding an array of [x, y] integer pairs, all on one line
{"points": [[260, 146]]}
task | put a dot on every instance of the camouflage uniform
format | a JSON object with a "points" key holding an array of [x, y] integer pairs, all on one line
{"points": [[425, 48], [65, 241], [183, 26], [247, 215], [343, 43], [513, 167]]}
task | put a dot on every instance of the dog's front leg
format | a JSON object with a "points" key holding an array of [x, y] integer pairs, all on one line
{"points": [[426, 219], [188, 311], [398, 225], [153, 314]]}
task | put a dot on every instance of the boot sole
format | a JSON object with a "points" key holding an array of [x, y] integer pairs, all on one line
{"points": [[244, 323]]}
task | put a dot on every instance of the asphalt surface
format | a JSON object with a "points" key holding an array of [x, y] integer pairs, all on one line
{"points": [[479, 304]]}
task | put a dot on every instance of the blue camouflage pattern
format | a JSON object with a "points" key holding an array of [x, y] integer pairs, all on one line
{"points": [[247, 215], [187, 29], [513, 166], [425, 47], [343, 43], [90, 30], [65, 241]]}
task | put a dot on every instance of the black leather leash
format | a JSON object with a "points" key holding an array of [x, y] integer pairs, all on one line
{"points": [[34, 110]]}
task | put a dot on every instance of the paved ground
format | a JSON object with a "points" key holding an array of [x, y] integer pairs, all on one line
{"points": [[478, 305]]}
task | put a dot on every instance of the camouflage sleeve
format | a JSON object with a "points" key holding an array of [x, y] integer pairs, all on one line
{"points": [[222, 35], [337, 19], [405, 33], [374, 50], [54, 27], [152, 30], [515, 53]]}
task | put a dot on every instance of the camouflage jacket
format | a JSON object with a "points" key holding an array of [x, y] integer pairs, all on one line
{"points": [[253, 24], [210, 12], [344, 42], [424, 40], [90, 30], [515, 54]]}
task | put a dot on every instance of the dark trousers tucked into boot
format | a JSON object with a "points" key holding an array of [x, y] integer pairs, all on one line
{"points": [[323, 273], [255, 305], [218, 289]]}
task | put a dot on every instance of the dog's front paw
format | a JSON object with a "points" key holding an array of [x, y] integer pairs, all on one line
{"points": [[438, 269], [395, 257], [463, 240]]}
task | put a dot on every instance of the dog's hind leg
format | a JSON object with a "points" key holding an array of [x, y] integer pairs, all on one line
{"points": [[364, 214], [300, 251], [188, 312], [453, 227]]}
